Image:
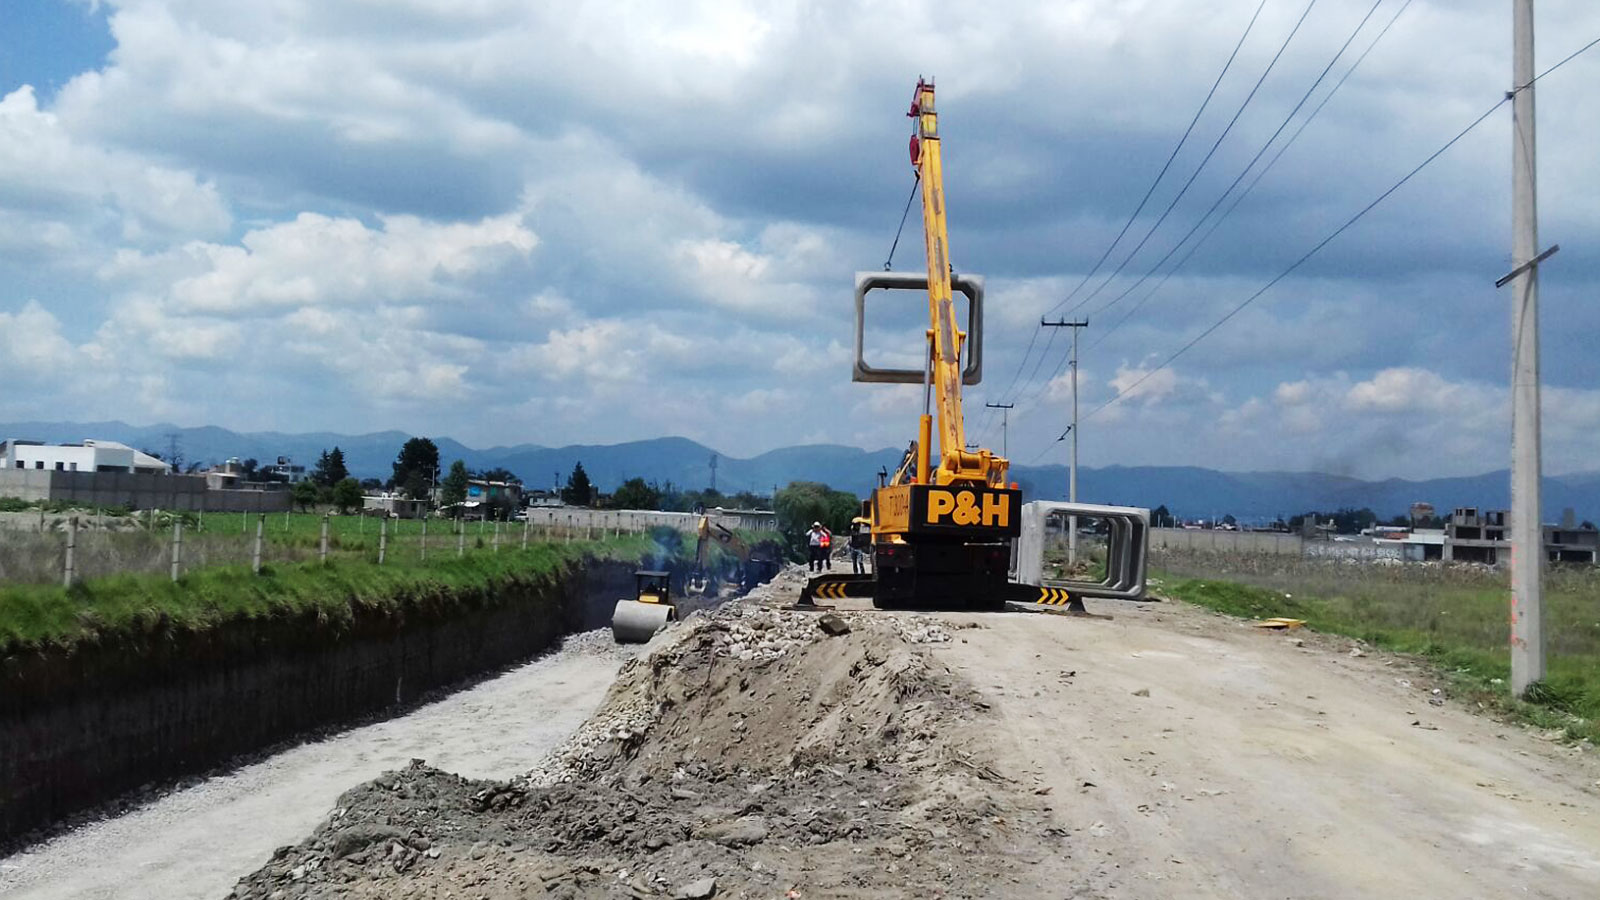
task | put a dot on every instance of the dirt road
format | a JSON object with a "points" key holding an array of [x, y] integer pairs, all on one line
{"points": [[1190, 755], [195, 843]]}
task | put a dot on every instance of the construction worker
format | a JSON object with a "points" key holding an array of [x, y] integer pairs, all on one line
{"points": [[860, 543], [816, 541]]}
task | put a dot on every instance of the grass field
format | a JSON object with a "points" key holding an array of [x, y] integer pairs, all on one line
{"points": [[142, 544], [1455, 617], [295, 581]]}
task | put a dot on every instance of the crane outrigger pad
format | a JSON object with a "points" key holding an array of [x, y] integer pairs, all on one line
{"points": [[992, 596], [836, 587]]}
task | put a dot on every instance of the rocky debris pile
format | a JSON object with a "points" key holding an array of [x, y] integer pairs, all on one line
{"points": [[599, 643], [748, 754]]}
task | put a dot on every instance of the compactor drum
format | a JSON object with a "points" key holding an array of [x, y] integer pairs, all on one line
{"points": [[636, 621]]}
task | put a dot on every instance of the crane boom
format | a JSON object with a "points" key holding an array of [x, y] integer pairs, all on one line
{"points": [[945, 338]]}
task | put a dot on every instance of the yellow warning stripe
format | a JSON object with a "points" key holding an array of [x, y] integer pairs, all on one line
{"points": [[830, 590], [1054, 597]]}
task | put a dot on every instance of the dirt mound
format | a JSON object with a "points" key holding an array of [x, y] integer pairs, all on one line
{"points": [[749, 755]]}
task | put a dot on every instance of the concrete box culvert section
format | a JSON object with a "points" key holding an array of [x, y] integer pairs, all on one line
{"points": [[82, 727]]}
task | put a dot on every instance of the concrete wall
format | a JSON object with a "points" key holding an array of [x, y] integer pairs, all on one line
{"points": [[135, 491], [640, 520], [1226, 541], [79, 728]]}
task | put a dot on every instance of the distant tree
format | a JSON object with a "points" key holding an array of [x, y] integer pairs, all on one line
{"points": [[636, 494], [305, 494], [371, 484], [578, 491], [1160, 516], [419, 456], [347, 495], [248, 468], [1400, 522], [416, 487], [803, 502], [499, 473], [1587, 525], [1229, 520], [750, 500], [330, 468], [453, 489]]}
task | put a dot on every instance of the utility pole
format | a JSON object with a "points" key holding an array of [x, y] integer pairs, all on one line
{"points": [[1077, 326], [1005, 421], [713, 472], [1527, 532]]}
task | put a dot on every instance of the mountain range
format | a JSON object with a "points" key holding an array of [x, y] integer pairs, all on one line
{"points": [[1185, 490]]}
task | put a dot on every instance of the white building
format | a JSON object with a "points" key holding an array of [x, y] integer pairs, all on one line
{"points": [[89, 456]]}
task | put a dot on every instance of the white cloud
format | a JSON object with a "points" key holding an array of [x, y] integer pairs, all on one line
{"points": [[60, 192]]}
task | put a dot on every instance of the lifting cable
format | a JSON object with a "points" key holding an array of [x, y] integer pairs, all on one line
{"points": [[889, 262]]}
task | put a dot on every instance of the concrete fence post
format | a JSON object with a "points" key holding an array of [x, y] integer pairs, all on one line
{"points": [[383, 538], [322, 546], [525, 525], [423, 546], [255, 553], [69, 568], [569, 528], [495, 541], [461, 539], [177, 549]]}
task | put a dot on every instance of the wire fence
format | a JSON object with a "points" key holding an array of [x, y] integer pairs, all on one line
{"points": [[69, 548]]}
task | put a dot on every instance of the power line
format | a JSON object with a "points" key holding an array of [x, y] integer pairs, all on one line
{"points": [[1253, 160], [1327, 240], [1022, 363], [1198, 169], [1193, 248], [1187, 184], [1340, 230], [1301, 261]]}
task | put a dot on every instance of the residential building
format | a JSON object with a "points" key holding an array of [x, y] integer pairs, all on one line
{"points": [[87, 456], [481, 491], [284, 470], [1471, 536]]}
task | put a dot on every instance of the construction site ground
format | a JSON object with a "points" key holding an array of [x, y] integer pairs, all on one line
{"points": [[1163, 752]]}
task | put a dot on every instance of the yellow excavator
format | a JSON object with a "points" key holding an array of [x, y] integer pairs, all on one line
{"points": [[653, 607], [943, 523], [748, 570]]}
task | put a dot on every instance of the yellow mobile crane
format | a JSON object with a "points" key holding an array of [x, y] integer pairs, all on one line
{"points": [[942, 525]]}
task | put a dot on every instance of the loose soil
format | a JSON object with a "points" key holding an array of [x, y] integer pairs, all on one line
{"points": [[1165, 752]]}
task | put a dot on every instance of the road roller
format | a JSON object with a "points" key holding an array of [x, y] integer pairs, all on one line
{"points": [[636, 621]]}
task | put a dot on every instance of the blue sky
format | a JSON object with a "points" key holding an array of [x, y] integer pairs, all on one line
{"points": [[506, 222]]}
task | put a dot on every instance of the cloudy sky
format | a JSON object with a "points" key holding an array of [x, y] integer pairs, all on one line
{"points": [[509, 221]]}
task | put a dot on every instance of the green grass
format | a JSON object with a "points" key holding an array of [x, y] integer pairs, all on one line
{"points": [[1455, 618], [104, 608]]}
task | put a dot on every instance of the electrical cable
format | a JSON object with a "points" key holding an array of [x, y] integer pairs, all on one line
{"points": [[1338, 231], [1204, 104], [1123, 392], [1198, 169], [1181, 192], [1292, 266], [1193, 248]]}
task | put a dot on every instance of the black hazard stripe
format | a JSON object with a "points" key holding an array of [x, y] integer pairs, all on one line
{"points": [[1054, 597]]}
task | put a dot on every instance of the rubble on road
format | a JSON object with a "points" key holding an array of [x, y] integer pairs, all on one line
{"points": [[747, 754]]}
